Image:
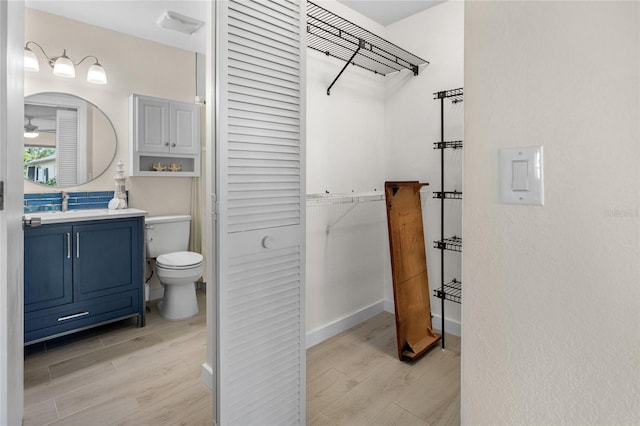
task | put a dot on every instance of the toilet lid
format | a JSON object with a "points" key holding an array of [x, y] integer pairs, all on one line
{"points": [[179, 259]]}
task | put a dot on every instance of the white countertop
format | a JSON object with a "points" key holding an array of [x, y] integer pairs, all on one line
{"points": [[80, 215]]}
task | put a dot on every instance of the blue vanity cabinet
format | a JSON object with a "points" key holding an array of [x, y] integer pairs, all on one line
{"points": [[81, 275]]}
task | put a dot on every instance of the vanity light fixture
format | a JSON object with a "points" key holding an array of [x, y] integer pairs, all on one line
{"points": [[62, 65], [30, 130]]}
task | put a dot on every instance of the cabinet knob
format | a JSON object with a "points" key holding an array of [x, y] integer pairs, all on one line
{"points": [[166, 144], [173, 144]]}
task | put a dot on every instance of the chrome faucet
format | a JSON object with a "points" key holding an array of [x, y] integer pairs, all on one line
{"points": [[65, 200]]}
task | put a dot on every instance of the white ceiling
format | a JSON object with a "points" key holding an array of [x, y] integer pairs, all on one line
{"points": [[135, 17], [387, 12], [138, 17]]}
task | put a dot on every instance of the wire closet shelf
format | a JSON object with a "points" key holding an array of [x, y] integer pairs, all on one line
{"points": [[342, 39]]}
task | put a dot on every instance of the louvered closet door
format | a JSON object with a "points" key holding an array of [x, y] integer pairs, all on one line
{"points": [[261, 220]]}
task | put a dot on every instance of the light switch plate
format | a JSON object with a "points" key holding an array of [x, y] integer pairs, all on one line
{"points": [[521, 176]]}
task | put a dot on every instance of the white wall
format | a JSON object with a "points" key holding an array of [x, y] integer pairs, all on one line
{"points": [[345, 131], [412, 125], [347, 254], [346, 268], [552, 308], [133, 65]]}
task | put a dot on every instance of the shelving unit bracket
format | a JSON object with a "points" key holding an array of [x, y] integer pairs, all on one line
{"points": [[342, 39], [360, 46]]}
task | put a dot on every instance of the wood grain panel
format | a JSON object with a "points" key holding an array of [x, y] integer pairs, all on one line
{"points": [[409, 269]]}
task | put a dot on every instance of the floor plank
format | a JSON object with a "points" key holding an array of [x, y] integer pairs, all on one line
{"points": [[71, 365], [325, 389], [40, 414], [36, 393], [171, 411], [436, 388], [393, 415]]}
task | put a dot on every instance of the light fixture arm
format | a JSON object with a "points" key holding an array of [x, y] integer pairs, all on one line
{"points": [[87, 57], [51, 60]]}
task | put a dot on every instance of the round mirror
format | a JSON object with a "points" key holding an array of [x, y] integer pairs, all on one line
{"points": [[68, 141]]}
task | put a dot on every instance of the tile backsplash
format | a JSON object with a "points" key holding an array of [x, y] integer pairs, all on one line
{"points": [[50, 201]]}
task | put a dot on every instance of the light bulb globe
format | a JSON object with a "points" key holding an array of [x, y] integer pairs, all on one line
{"points": [[96, 74], [30, 61], [63, 67]]}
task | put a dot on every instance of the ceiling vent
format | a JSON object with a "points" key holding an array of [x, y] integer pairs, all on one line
{"points": [[176, 22]]}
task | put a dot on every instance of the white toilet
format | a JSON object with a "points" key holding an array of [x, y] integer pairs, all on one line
{"points": [[167, 239]]}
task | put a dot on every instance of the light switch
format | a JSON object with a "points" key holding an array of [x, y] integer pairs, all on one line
{"points": [[521, 175]]}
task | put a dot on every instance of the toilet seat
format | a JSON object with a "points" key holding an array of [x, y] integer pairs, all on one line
{"points": [[179, 260]]}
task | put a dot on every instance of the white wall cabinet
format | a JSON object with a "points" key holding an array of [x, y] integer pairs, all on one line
{"points": [[165, 137]]}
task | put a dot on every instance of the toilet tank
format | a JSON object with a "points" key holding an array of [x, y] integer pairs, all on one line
{"points": [[166, 234]]}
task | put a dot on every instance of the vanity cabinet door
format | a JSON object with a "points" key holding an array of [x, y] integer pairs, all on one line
{"points": [[48, 257], [184, 124], [107, 258], [152, 121]]}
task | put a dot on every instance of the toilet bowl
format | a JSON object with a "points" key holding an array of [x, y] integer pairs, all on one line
{"points": [[177, 273], [177, 269]]}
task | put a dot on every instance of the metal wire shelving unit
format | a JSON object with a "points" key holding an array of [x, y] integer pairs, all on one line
{"points": [[342, 39], [452, 290]]}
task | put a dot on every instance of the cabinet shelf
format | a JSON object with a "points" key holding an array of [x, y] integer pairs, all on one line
{"points": [[188, 166], [448, 195], [451, 291]]}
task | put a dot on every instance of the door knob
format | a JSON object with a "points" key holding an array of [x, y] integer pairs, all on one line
{"points": [[268, 242]]}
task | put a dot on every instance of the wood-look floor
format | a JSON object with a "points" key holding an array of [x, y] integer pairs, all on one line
{"points": [[355, 378], [123, 375], [119, 374]]}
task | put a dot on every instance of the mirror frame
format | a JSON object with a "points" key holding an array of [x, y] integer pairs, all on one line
{"points": [[115, 136]]}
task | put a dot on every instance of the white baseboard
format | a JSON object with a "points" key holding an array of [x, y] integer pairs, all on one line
{"points": [[336, 327], [207, 376], [451, 326]]}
